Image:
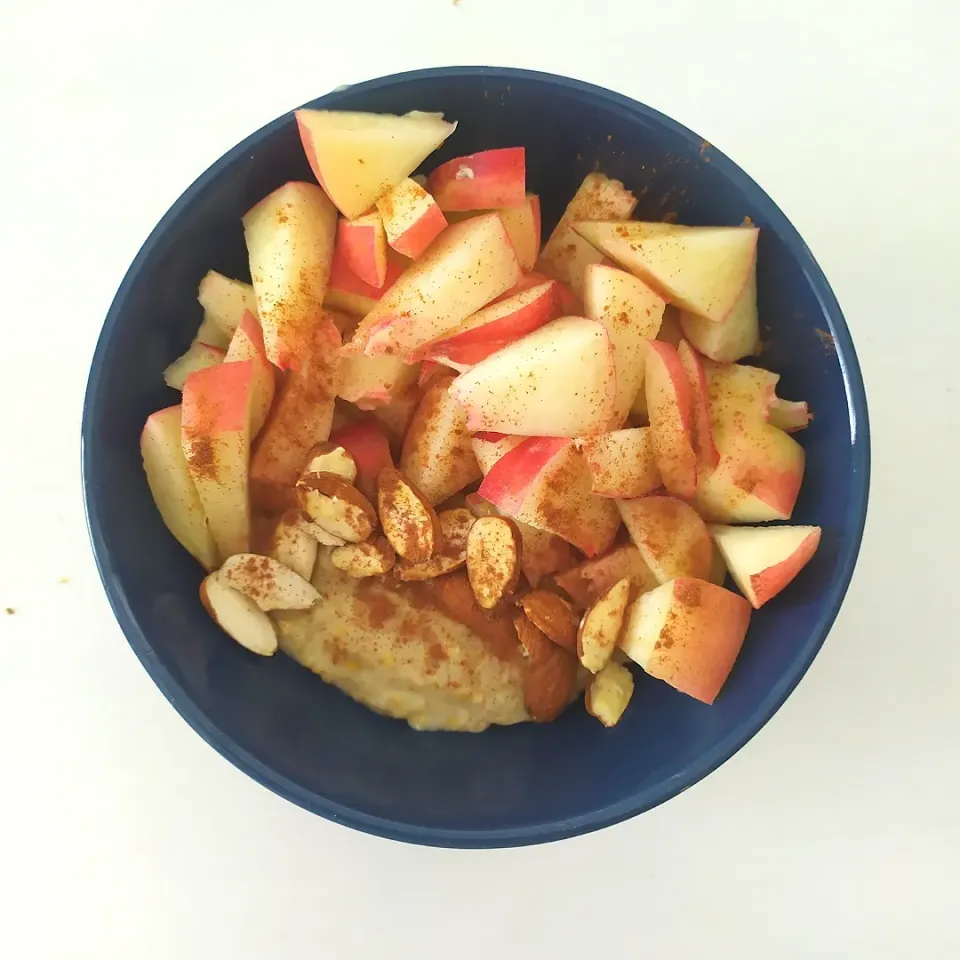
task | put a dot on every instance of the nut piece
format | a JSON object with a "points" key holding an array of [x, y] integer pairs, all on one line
{"points": [[267, 582], [329, 457], [455, 527], [609, 693], [238, 616], [409, 521], [318, 533], [336, 506], [494, 551], [368, 559], [600, 627], [550, 680], [292, 545], [554, 616]]}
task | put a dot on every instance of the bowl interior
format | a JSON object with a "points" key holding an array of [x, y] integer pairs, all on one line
{"points": [[302, 737]]}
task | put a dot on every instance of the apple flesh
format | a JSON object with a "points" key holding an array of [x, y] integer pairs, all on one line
{"points": [[632, 314], [488, 448], [363, 246], [670, 408], [290, 238], [733, 338], [199, 356], [215, 433], [671, 537], [763, 560], [703, 444], [357, 157], [437, 452], [370, 381], [172, 487], [701, 269], [411, 218], [688, 633], [589, 581], [523, 225], [559, 381], [481, 181], [347, 292], [469, 265], [224, 302], [247, 344], [789, 415], [622, 464]]}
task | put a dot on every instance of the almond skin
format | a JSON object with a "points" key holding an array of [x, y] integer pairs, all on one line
{"points": [[455, 526], [554, 616], [550, 680], [409, 521]]}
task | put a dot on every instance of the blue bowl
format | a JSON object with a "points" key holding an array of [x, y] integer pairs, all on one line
{"points": [[304, 739]]}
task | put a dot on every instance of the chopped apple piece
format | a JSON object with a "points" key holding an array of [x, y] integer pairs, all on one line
{"points": [[348, 292], [238, 616], [559, 380], [437, 451], [523, 225], [357, 157], [622, 464], [363, 246], [481, 181], [571, 261], [670, 536], [670, 407], [199, 356], [411, 218], [609, 693], [293, 546], [763, 560], [224, 302], [369, 449], [789, 415], [409, 521], [173, 488], [734, 337], [267, 582], [488, 448], [707, 454], [632, 314], [290, 237], [688, 633], [494, 551], [589, 581], [374, 381], [600, 627], [469, 264], [247, 344], [215, 432]]}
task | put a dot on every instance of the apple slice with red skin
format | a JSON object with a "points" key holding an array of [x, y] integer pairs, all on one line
{"points": [[357, 157], [488, 448], [590, 580], [688, 633], [569, 303], [367, 444], [197, 357], [670, 408], [764, 560], [481, 181], [622, 463], [559, 381], [347, 292], [247, 344], [411, 218], [363, 246], [707, 454]]}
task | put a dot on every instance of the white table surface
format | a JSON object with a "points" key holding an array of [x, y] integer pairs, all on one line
{"points": [[835, 833]]}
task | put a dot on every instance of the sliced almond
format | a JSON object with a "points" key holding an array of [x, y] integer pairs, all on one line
{"points": [[336, 506], [238, 616], [550, 678], [609, 693], [408, 520], [331, 458], [270, 584], [317, 532], [292, 545], [554, 616], [452, 554], [494, 552], [370, 559], [600, 627]]}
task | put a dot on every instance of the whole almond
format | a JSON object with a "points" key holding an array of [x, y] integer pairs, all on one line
{"points": [[554, 616], [494, 551], [550, 677], [409, 521], [369, 559], [336, 506]]}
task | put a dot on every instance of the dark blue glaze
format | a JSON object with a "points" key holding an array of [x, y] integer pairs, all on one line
{"points": [[304, 739]]}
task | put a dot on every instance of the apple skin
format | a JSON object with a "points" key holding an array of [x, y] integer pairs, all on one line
{"points": [[363, 246], [347, 292], [703, 443], [589, 581], [247, 344], [670, 408], [365, 441], [198, 356], [688, 633], [411, 218], [481, 181]]}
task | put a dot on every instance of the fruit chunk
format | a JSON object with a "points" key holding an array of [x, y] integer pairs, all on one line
{"points": [[550, 679], [198, 356], [622, 463], [336, 506], [247, 344], [492, 328], [553, 616], [290, 236], [789, 415], [707, 454], [688, 633], [357, 157], [292, 545], [411, 218], [632, 314], [363, 246], [609, 694], [488, 448], [469, 264], [409, 521], [301, 417], [370, 559], [369, 449], [670, 408], [437, 451], [172, 487], [215, 432], [238, 616], [451, 552], [270, 584], [481, 181], [494, 551], [701, 269], [348, 292], [544, 482], [734, 337], [763, 560], [671, 537], [589, 581], [523, 225], [600, 627], [224, 302], [558, 381]]}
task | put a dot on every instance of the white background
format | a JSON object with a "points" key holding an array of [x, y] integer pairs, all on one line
{"points": [[835, 833]]}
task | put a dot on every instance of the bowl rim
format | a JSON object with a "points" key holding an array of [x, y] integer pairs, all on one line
{"points": [[548, 830]]}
